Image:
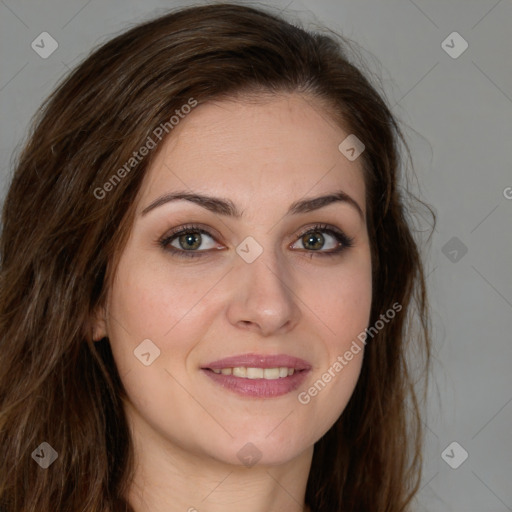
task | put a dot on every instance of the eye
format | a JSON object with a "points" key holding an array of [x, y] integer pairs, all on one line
{"points": [[193, 240], [324, 239], [187, 241]]}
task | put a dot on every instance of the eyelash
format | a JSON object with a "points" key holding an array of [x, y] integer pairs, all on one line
{"points": [[341, 237]]}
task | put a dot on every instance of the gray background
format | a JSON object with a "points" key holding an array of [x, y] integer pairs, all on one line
{"points": [[457, 116]]}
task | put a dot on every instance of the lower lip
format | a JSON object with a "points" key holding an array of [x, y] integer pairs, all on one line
{"points": [[259, 388]]}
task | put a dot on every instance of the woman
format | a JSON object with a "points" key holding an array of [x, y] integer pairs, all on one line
{"points": [[207, 281]]}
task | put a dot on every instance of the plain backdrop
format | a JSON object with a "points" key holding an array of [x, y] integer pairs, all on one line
{"points": [[455, 106]]}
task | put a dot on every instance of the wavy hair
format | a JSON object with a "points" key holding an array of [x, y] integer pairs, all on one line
{"points": [[60, 244]]}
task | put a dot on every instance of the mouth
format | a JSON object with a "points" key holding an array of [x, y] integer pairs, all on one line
{"points": [[257, 375]]}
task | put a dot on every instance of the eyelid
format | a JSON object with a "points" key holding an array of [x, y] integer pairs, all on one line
{"points": [[190, 227]]}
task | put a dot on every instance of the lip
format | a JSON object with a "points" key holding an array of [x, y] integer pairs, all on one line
{"points": [[259, 361], [259, 388]]}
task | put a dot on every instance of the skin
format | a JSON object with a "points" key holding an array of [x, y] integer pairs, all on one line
{"points": [[186, 429]]}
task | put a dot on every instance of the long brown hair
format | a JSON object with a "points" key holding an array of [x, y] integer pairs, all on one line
{"points": [[61, 238]]}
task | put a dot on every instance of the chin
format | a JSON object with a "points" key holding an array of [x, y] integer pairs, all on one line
{"points": [[261, 449]]}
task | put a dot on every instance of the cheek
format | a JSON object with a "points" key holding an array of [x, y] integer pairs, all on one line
{"points": [[341, 301], [342, 304], [155, 301], [150, 299], [349, 313]]}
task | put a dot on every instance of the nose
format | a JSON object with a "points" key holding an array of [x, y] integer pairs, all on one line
{"points": [[262, 298]]}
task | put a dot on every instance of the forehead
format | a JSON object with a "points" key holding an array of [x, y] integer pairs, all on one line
{"points": [[276, 147]]}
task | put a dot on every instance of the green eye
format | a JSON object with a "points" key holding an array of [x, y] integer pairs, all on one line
{"points": [[190, 241], [185, 241], [314, 239]]}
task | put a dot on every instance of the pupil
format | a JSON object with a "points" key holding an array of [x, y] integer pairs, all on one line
{"points": [[192, 240], [311, 238]]}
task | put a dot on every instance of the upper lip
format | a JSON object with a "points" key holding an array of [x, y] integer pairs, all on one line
{"points": [[259, 361]]}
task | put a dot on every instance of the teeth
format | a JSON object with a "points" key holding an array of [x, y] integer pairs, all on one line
{"points": [[271, 373], [240, 371], [283, 371], [254, 373], [257, 373]]}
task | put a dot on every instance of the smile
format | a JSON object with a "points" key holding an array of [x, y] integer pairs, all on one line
{"points": [[260, 376], [257, 373]]}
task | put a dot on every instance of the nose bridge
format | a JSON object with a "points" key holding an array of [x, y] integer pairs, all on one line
{"points": [[263, 296]]}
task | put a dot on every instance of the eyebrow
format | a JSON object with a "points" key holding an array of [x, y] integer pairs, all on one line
{"points": [[226, 207]]}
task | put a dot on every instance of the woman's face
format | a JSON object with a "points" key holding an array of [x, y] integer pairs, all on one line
{"points": [[257, 277]]}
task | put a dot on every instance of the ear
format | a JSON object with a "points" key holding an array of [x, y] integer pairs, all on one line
{"points": [[99, 324]]}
